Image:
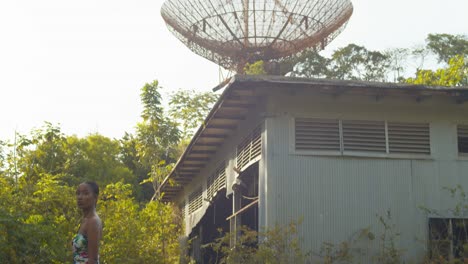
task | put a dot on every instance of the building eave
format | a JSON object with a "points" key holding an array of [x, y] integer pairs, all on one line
{"points": [[240, 94]]}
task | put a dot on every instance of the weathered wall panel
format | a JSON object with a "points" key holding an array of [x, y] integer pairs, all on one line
{"points": [[338, 196]]}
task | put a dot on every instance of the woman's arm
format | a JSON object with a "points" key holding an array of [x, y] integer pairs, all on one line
{"points": [[93, 234]]}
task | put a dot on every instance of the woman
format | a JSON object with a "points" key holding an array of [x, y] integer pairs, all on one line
{"points": [[86, 242]]}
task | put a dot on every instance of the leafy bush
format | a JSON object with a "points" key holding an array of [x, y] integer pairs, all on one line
{"points": [[279, 244]]}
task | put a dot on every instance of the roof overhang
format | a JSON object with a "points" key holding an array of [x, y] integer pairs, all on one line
{"points": [[243, 91]]}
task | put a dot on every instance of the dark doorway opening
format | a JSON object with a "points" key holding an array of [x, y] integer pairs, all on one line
{"points": [[220, 218], [249, 197], [212, 226], [245, 214]]}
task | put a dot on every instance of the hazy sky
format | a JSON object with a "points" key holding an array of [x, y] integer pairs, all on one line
{"points": [[81, 64]]}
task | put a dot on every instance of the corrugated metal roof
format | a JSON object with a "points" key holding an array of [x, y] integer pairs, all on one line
{"points": [[242, 92], [335, 83]]}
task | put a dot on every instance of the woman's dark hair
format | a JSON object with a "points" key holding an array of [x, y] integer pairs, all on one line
{"points": [[94, 187]]}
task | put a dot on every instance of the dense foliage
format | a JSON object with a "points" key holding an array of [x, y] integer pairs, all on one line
{"points": [[279, 244], [355, 62], [39, 174]]}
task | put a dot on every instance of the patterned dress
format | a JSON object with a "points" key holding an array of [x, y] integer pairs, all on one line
{"points": [[80, 249]]}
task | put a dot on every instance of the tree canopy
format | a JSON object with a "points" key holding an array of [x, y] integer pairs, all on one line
{"points": [[405, 65], [40, 171]]}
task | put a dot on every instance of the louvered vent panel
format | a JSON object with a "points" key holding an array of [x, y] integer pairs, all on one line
{"points": [[243, 153], [256, 150], [412, 138], [462, 132], [195, 200], [250, 148], [317, 134], [216, 181], [211, 185], [365, 136], [221, 181]]}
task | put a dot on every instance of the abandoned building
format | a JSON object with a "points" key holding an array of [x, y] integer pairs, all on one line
{"points": [[336, 154]]}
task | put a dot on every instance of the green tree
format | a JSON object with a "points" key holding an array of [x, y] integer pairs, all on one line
{"points": [[156, 140], [278, 244], [3, 157], [151, 100], [312, 65], [256, 68], [189, 108], [355, 62], [161, 228], [119, 213], [42, 153], [455, 74], [446, 46], [157, 133], [398, 58], [36, 221], [97, 158], [49, 151], [134, 235], [352, 62], [130, 158], [38, 213]]}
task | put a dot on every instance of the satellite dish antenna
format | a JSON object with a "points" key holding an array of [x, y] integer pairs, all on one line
{"points": [[232, 33]]}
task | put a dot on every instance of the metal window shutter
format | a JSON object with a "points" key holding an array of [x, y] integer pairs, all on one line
{"points": [[195, 200], [317, 134], [462, 135], [220, 181], [250, 148], [211, 185], [242, 153], [256, 149], [412, 138], [216, 181], [364, 136]]}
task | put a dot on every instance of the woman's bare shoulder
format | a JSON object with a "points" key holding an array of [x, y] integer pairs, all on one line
{"points": [[93, 224], [94, 220]]}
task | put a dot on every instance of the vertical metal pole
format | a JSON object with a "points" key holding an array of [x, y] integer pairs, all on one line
{"points": [[246, 23], [450, 237], [235, 222]]}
